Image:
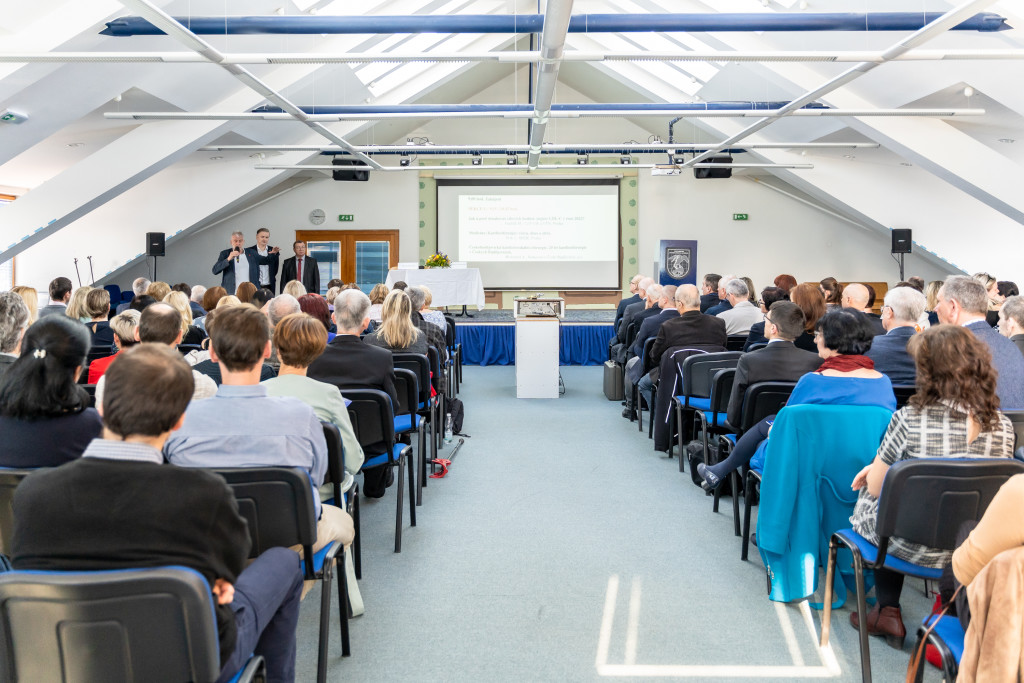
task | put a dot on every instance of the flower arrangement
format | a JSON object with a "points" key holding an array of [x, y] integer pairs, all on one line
{"points": [[438, 260]]}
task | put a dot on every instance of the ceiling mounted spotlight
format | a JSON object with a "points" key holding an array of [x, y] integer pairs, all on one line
{"points": [[677, 159], [477, 160], [582, 159], [625, 160], [404, 160], [1007, 141], [512, 160], [849, 156]]}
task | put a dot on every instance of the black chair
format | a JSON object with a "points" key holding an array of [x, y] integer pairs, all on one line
{"points": [[760, 400], [645, 367], [123, 625], [697, 372], [437, 381], [98, 352], [344, 489], [1016, 417], [408, 421], [374, 425], [428, 406], [923, 501], [713, 422], [91, 390], [9, 480], [186, 349], [454, 353], [903, 392], [736, 342], [277, 503]]}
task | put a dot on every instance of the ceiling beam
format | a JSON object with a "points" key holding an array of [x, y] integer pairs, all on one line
{"points": [[552, 43]]}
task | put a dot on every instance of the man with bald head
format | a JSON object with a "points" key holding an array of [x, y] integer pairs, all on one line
{"points": [[689, 328], [634, 288], [635, 309], [648, 329], [861, 298]]}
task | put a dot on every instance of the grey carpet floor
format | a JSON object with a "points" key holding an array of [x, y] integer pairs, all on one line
{"points": [[562, 547]]}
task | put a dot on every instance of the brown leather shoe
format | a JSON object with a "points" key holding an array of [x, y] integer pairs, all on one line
{"points": [[886, 622]]}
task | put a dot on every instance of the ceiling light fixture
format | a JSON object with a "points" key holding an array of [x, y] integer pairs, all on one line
{"points": [[216, 158], [625, 160], [512, 160], [75, 144], [582, 159], [404, 160], [1008, 141], [478, 160], [849, 156]]}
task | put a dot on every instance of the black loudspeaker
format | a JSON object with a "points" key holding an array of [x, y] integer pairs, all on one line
{"points": [[154, 244], [901, 241], [700, 173], [350, 174]]}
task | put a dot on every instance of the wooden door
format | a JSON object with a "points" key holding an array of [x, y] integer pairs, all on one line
{"points": [[351, 244]]}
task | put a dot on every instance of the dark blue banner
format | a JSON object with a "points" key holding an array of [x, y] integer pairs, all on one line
{"points": [[677, 261]]}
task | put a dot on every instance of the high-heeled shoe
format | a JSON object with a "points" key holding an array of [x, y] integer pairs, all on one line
{"points": [[710, 479], [887, 622]]}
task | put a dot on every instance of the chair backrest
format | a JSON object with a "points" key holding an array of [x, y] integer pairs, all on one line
{"points": [[97, 352], [435, 367], [761, 400], [698, 371], [372, 420], [721, 391], [335, 460], [408, 390], [9, 480], [925, 500], [449, 332], [903, 392], [631, 332], [1016, 417], [419, 364], [93, 627], [736, 342], [277, 502], [645, 355], [186, 349]]}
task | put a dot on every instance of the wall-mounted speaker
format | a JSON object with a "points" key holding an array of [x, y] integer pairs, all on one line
{"points": [[901, 241], [350, 173], [700, 173], [154, 244]]}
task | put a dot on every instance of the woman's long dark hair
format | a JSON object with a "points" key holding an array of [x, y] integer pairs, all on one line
{"points": [[41, 382]]}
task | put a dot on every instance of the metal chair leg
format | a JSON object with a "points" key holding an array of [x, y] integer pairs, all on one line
{"points": [[346, 647], [412, 492], [401, 501], [862, 615], [748, 500], [325, 621], [830, 570], [421, 450], [357, 545]]}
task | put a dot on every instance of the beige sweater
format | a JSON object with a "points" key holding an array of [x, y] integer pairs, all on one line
{"points": [[1001, 528]]}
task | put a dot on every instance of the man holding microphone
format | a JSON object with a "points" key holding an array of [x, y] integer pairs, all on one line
{"points": [[239, 264]]}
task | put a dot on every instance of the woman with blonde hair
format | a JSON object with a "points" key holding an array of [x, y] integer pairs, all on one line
{"points": [[31, 298], [377, 296], [97, 307], [227, 301], [295, 288], [995, 300], [245, 292], [76, 306], [190, 334], [158, 290], [396, 331]]}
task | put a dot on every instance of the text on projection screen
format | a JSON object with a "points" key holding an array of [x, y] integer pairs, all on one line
{"points": [[536, 227]]}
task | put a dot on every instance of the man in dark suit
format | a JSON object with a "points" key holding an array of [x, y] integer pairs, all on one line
{"points": [[60, 294], [348, 363], [903, 307], [780, 361], [302, 268], [691, 327], [267, 272], [861, 298], [963, 301], [723, 302], [633, 309], [709, 292], [652, 295], [621, 308], [648, 330], [239, 264]]}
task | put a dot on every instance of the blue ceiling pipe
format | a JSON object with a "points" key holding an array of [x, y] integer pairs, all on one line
{"points": [[479, 151], [470, 108], [533, 23]]}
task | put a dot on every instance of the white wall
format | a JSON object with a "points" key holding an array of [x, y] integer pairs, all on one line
{"points": [[388, 201], [782, 234]]}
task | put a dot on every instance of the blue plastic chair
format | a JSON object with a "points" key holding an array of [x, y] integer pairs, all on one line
{"points": [[923, 501], [697, 377], [129, 625], [948, 639]]}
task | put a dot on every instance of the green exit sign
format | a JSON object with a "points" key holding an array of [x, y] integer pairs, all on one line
{"points": [[740, 216], [346, 217]]}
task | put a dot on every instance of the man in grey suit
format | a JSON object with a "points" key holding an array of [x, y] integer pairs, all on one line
{"points": [[60, 294], [963, 301], [13, 323], [779, 361], [902, 308]]}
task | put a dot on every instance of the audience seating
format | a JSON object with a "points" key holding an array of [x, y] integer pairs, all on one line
{"points": [[948, 639], [903, 392], [736, 342], [124, 625], [428, 407], [454, 354], [1017, 418], [408, 421], [645, 367], [345, 489], [374, 425], [923, 501], [697, 372], [277, 503], [9, 480], [714, 421]]}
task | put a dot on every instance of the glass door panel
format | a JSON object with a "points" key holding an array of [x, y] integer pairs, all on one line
{"points": [[372, 260], [328, 257]]}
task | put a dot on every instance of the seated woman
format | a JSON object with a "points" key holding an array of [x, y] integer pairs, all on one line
{"points": [[190, 334], [299, 340], [431, 316], [845, 377], [31, 299], [832, 291], [396, 331], [97, 307], [76, 305], [995, 301], [316, 306], [44, 414], [377, 296], [811, 301], [245, 292], [954, 414], [210, 300], [124, 325]]}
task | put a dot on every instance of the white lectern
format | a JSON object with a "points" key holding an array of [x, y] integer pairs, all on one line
{"points": [[537, 323]]}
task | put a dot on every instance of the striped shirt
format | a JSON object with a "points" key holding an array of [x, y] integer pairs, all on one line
{"points": [[936, 431]]}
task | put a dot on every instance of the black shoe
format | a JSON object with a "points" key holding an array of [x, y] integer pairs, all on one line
{"points": [[710, 479], [629, 414]]}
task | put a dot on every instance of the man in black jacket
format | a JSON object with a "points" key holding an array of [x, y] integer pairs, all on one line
{"points": [[709, 292], [120, 507], [267, 272], [348, 363], [634, 284], [239, 264], [302, 268]]}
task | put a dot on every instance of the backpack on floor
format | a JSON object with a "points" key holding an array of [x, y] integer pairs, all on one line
{"points": [[456, 410]]}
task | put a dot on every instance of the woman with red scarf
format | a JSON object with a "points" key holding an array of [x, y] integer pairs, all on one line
{"points": [[846, 377]]}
